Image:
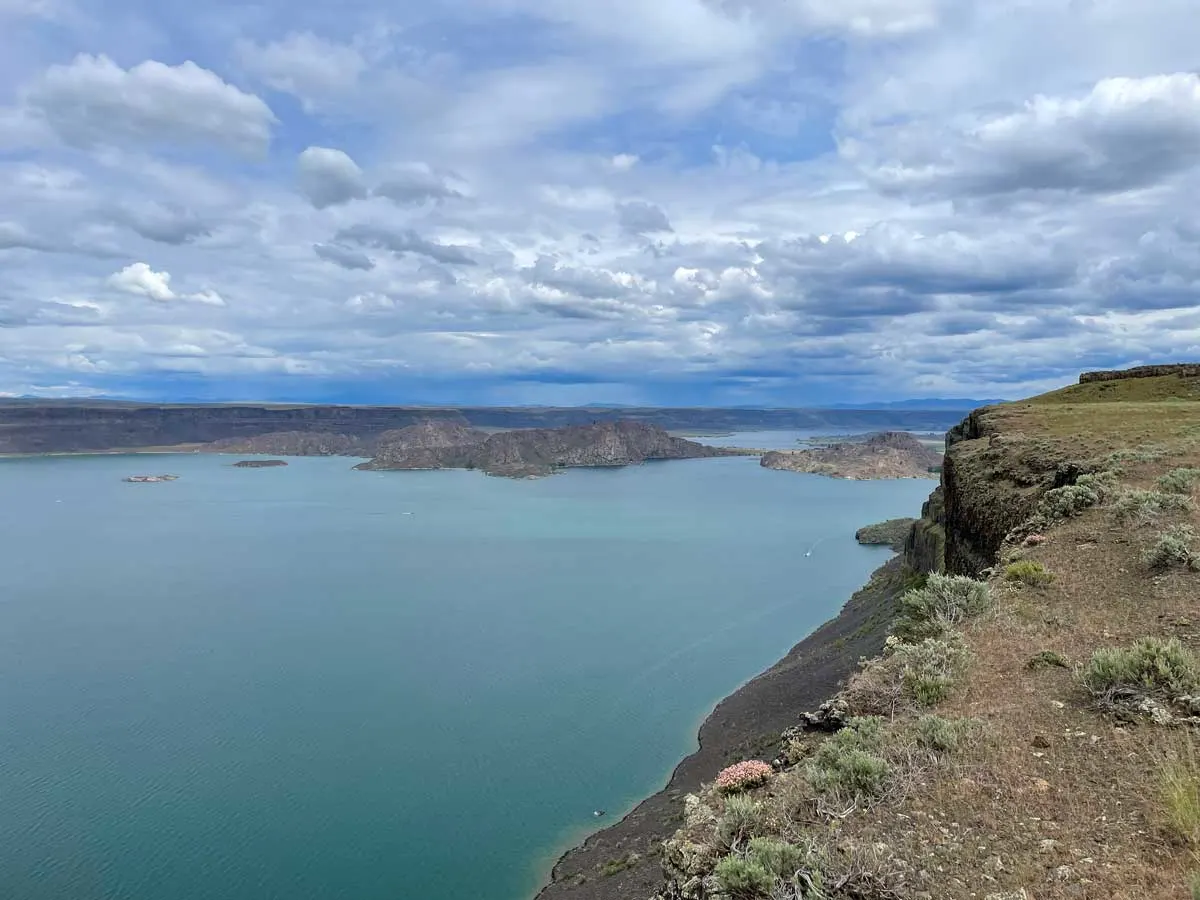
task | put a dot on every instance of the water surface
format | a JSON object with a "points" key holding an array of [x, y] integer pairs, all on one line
{"points": [[310, 682]]}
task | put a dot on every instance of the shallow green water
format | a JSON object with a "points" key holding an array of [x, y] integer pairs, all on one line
{"points": [[310, 682]]}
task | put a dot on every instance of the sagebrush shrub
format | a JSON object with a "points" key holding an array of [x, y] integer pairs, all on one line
{"points": [[743, 879], [944, 602], [1178, 481], [942, 735], [1072, 499], [781, 859], [849, 764], [741, 818], [1150, 667], [1173, 548], [931, 668], [907, 675], [1139, 507]]}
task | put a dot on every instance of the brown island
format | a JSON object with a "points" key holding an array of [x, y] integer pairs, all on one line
{"points": [[449, 443], [888, 454], [259, 464]]}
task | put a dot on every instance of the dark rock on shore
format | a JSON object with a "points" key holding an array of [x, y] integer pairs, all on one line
{"points": [[259, 464], [746, 725], [533, 452]]}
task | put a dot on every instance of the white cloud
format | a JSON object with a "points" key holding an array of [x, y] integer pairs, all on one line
{"points": [[93, 101], [139, 279], [304, 65], [747, 200], [329, 177]]}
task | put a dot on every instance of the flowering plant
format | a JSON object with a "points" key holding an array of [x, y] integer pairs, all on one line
{"points": [[743, 775]]}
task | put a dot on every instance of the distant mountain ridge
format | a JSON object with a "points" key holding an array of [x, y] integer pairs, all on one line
{"points": [[61, 426]]}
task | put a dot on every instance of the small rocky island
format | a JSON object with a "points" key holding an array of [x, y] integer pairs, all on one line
{"points": [[259, 463], [532, 452], [887, 454], [891, 533], [149, 479]]}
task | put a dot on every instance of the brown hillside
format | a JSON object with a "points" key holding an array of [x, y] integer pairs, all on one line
{"points": [[1008, 761]]}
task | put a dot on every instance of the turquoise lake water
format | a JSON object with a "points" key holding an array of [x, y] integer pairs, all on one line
{"points": [[311, 682]]}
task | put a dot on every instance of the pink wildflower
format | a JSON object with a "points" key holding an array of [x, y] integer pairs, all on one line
{"points": [[1034, 539], [743, 775]]}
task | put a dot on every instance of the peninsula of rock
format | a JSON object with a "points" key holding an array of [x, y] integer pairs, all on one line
{"points": [[533, 452], [888, 454]]}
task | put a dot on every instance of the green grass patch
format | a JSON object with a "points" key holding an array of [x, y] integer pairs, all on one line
{"points": [[1026, 571]]}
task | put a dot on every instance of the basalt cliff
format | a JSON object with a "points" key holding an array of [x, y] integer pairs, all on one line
{"points": [[1025, 733]]}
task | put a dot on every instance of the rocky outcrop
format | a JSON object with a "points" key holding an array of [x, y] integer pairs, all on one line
{"points": [[1183, 370], [536, 451], [888, 454], [892, 533], [259, 464], [435, 444]]}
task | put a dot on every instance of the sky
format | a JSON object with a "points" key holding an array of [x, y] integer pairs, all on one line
{"points": [[679, 202]]}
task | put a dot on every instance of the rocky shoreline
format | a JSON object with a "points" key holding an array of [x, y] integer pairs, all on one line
{"points": [[621, 862]]}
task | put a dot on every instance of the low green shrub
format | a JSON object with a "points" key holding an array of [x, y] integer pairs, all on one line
{"points": [[944, 602], [1139, 507], [932, 668], [849, 765], [1151, 667], [1173, 548], [743, 879], [1178, 481], [781, 859], [1046, 659], [1026, 571], [740, 819], [942, 735]]}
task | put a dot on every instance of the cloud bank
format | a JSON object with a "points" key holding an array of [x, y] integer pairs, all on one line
{"points": [[556, 202]]}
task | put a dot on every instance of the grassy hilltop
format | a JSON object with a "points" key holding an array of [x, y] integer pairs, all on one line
{"points": [[1029, 729]]}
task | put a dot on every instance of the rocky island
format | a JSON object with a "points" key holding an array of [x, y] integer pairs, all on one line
{"points": [[892, 533], [149, 479], [532, 452], [887, 454], [259, 464]]}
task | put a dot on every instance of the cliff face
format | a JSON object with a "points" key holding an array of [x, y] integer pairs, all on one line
{"points": [[533, 452]]}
